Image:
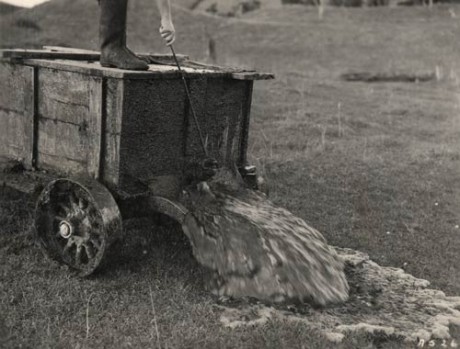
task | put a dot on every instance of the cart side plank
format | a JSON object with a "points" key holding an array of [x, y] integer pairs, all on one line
{"points": [[63, 96], [12, 142], [246, 115], [113, 106], [92, 68], [17, 113], [61, 140], [96, 127], [69, 53], [70, 122], [157, 71]]}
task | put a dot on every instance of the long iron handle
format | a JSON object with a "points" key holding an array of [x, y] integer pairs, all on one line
{"points": [[187, 92]]}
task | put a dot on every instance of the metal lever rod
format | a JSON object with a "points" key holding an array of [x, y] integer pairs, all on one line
{"points": [[187, 92]]}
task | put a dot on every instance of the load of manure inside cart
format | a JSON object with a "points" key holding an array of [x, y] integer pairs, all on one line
{"points": [[273, 265]]}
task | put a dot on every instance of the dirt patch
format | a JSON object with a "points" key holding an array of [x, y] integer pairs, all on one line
{"points": [[388, 77], [384, 303]]}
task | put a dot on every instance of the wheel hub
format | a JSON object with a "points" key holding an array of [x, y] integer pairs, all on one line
{"points": [[65, 229]]}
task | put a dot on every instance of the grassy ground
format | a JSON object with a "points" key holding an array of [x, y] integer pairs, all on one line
{"points": [[373, 166]]}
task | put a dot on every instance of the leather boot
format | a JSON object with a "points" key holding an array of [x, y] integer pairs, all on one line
{"points": [[112, 33]]}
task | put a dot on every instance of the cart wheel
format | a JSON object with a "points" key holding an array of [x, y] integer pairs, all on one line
{"points": [[76, 222]]}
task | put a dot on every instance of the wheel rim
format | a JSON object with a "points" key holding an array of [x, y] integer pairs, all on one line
{"points": [[73, 224]]}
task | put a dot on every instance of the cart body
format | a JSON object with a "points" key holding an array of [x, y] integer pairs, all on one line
{"points": [[101, 143], [127, 129]]}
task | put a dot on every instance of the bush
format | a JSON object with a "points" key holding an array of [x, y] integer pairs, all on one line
{"points": [[27, 23], [228, 8]]}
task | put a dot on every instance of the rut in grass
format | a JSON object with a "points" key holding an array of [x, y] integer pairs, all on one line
{"points": [[255, 249]]}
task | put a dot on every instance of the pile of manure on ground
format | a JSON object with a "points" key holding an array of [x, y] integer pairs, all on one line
{"points": [[256, 249], [385, 304]]}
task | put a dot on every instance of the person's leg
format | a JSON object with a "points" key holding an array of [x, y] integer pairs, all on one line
{"points": [[112, 32]]}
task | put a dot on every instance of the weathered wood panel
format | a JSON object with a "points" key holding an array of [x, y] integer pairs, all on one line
{"points": [[111, 142], [17, 87], [62, 140], [156, 71], [70, 122], [69, 53], [63, 96], [12, 142], [17, 112], [96, 127], [161, 67], [65, 166], [244, 128]]}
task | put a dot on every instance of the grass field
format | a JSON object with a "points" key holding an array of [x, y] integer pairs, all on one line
{"points": [[373, 166]]}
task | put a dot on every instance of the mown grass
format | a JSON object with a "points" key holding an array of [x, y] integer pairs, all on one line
{"points": [[373, 166], [151, 296], [389, 187]]}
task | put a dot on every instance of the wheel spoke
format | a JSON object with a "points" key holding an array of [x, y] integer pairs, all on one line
{"points": [[73, 201], [82, 203], [69, 244], [96, 230], [92, 211], [78, 255], [96, 244], [89, 251], [63, 207]]}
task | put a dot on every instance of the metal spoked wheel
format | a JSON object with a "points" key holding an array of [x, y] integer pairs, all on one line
{"points": [[76, 222]]}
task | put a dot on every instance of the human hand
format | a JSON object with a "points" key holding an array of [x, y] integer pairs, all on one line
{"points": [[167, 32]]}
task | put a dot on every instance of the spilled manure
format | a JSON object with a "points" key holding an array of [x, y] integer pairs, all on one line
{"points": [[255, 249]]}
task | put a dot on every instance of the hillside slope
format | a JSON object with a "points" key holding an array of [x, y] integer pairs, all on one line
{"points": [[75, 23], [284, 40], [7, 8]]}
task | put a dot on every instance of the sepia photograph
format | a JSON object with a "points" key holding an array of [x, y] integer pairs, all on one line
{"points": [[230, 174]]}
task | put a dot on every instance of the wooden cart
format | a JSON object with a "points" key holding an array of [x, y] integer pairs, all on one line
{"points": [[100, 144]]}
